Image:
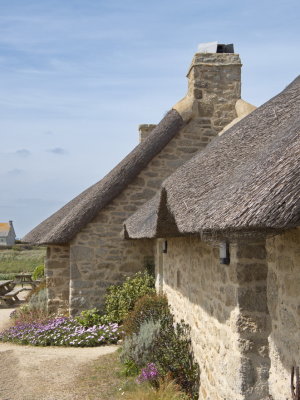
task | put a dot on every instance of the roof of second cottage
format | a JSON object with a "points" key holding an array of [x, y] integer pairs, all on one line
{"points": [[63, 225], [247, 180], [4, 229]]}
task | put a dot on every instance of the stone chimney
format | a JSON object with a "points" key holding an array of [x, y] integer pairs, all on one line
{"points": [[214, 82], [145, 130]]}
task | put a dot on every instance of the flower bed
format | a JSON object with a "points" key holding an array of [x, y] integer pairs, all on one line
{"points": [[61, 331]]}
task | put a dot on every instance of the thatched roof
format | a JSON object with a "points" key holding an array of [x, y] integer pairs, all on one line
{"points": [[62, 226], [246, 180]]}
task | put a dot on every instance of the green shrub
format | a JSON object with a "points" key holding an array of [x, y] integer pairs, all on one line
{"points": [[39, 300], [173, 353], [120, 299], [139, 347], [149, 307], [89, 318], [161, 341], [35, 291], [130, 368], [38, 272], [150, 265]]}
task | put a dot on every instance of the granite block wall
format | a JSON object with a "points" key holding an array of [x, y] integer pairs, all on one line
{"points": [[226, 307], [57, 271], [284, 306]]}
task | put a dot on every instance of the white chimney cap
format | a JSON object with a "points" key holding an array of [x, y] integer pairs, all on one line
{"points": [[210, 47]]}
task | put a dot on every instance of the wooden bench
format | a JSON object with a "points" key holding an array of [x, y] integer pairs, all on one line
{"points": [[11, 296]]}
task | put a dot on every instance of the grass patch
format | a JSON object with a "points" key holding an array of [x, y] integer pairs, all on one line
{"points": [[7, 277], [21, 260], [101, 379], [104, 379]]}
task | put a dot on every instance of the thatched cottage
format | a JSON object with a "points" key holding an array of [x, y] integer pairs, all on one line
{"points": [[85, 249], [226, 226], [7, 234]]}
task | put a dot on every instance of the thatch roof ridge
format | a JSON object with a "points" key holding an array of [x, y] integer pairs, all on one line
{"points": [[247, 179], [63, 225]]}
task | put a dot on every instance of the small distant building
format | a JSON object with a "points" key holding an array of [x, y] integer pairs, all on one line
{"points": [[7, 234]]}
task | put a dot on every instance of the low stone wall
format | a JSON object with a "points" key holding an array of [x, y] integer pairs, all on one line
{"points": [[225, 305], [57, 271], [284, 306]]}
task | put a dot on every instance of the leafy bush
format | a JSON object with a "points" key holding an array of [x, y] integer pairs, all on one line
{"points": [[89, 318], [149, 307], [120, 299], [61, 331], [38, 272], [174, 354], [161, 341], [130, 368], [139, 347], [167, 390], [38, 301], [35, 295]]}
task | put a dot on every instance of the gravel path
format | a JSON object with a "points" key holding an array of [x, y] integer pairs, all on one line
{"points": [[42, 373]]}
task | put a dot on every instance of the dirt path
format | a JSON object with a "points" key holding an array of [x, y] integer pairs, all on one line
{"points": [[42, 373]]}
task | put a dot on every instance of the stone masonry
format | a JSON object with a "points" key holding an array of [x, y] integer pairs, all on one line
{"points": [[145, 130], [284, 307], [99, 256], [226, 307], [57, 273]]}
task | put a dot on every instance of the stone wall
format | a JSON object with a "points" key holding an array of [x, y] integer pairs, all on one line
{"points": [[253, 323], [57, 271], [225, 305], [145, 130], [215, 81], [98, 254], [284, 307]]}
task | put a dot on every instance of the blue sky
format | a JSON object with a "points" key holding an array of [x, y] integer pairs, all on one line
{"points": [[77, 77]]}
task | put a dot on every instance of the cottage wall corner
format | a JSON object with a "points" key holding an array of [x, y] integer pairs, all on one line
{"points": [[226, 308], [284, 306], [57, 272]]}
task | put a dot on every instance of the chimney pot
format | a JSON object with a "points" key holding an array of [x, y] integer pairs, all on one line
{"points": [[215, 47]]}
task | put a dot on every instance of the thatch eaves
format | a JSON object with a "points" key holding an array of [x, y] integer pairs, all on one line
{"points": [[63, 225], [152, 219], [247, 180]]}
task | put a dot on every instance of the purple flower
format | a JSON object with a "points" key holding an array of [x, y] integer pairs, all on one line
{"points": [[149, 373], [60, 331]]}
